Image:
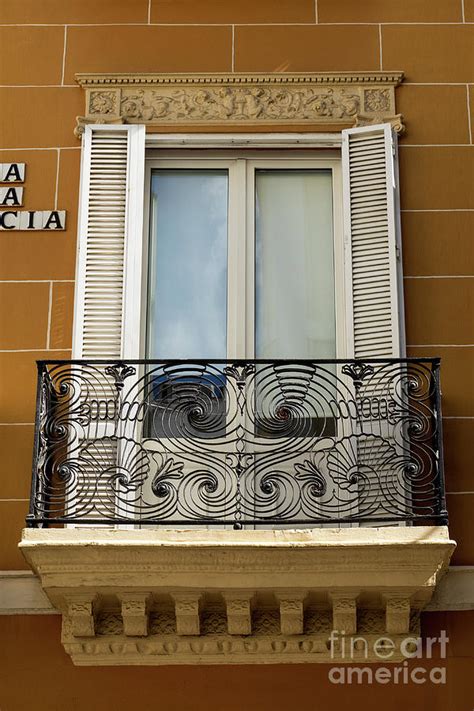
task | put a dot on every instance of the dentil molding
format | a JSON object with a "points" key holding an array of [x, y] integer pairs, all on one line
{"points": [[327, 101]]}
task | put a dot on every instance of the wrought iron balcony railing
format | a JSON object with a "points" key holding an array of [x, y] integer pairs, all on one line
{"points": [[238, 443]]}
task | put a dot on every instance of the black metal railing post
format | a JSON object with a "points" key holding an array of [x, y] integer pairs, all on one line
{"points": [[41, 370], [442, 510]]}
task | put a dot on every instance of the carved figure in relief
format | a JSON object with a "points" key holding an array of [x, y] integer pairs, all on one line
{"points": [[350, 104], [239, 104], [135, 107], [202, 101], [226, 107], [334, 105], [181, 104], [322, 104], [253, 102], [160, 106], [286, 104], [132, 106]]}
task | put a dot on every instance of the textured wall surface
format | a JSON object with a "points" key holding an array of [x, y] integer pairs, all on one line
{"points": [[31, 651], [45, 43]]}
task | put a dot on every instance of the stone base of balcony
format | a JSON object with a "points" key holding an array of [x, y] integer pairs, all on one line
{"points": [[238, 597]]}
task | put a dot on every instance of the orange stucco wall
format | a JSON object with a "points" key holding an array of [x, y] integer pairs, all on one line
{"points": [[35, 672], [43, 44]]}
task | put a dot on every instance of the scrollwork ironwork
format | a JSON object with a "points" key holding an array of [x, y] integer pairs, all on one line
{"points": [[239, 443]]}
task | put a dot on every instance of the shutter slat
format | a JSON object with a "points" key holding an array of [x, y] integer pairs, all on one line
{"points": [[370, 224]]}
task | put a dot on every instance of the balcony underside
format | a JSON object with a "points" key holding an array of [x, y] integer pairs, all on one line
{"points": [[237, 597]]}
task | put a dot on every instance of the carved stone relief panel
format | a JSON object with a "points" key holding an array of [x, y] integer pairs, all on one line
{"points": [[313, 101]]}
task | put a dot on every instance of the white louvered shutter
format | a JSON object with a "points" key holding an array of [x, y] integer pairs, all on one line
{"points": [[375, 291], [372, 243], [108, 292], [107, 308]]}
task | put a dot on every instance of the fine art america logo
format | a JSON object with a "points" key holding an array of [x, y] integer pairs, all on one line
{"points": [[11, 198], [384, 649]]}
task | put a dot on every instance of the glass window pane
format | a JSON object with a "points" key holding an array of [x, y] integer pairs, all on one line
{"points": [[294, 299], [187, 301]]}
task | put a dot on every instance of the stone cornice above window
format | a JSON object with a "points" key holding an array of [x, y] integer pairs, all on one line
{"points": [[326, 101]]}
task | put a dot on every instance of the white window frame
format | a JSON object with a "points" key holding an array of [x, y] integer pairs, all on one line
{"points": [[242, 166]]}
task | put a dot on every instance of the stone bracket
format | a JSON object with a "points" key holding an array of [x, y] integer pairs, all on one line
{"points": [[291, 612], [80, 615], [239, 610], [134, 614], [323, 102], [397, 614], [344, 612], [187, 613]]}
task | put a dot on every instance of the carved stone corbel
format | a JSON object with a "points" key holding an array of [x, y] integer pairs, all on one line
{"points": [[80, 615], [83, 121], [187, 613], [323, 102], [135, 614], [344, 612], [397, 614], [239, 612], [291, 612]]}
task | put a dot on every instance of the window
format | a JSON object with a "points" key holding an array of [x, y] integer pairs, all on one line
{"points": [[258, 253], [242, 257]]}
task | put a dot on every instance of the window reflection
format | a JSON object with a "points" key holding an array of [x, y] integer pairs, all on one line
{"points": [[187, 305], [294, 290]]}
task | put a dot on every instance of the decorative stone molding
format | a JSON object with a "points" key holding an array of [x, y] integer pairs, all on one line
{"points": [[344, 612], [238, 606], [397, 614], [370, 621], [235, 597], [327, 101], [108, 623], [270, 637], [79, 612], [187, 613], [270, 649], [291, 613], [134, 614]]}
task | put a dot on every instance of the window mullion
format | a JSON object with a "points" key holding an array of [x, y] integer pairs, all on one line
{"points": [[250, 260], [237, 258]]}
